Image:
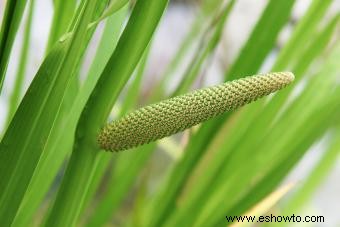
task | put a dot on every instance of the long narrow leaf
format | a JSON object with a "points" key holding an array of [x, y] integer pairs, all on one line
{"points": [[62, 17], [116, 73], [199, 142], [35, 118], [17, 90], [302, 33], [10, 24], [264, 35]]}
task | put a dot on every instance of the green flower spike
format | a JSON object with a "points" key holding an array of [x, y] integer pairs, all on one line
{"points": [[174, 115]]}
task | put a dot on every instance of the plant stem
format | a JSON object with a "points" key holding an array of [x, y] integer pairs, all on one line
{"points": [[72, 192]]}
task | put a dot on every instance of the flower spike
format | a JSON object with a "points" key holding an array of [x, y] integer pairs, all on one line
{"points": [[176, 114]]}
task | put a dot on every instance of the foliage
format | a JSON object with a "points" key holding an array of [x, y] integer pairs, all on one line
{"points": [[229, 165]]}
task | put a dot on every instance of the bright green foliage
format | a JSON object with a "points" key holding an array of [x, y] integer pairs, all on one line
{"points": [[304, 30], [60, 146], [63, 12], [116, 73], [264, 35], [9, 27], [217, 25], [52, 169], [114, 6], [17, 90], [20, 159], [322, 168]]}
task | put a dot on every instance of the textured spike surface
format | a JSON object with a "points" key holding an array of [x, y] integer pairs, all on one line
{"points": [[173, 115]]}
